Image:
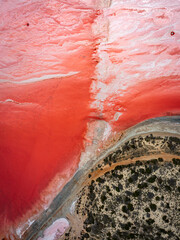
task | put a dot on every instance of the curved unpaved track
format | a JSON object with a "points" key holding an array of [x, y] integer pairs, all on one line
{"points": [[141, 217]]}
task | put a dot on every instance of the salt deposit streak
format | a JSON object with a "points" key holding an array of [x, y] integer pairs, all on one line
{"points": [[139, 69], [42, 78]]}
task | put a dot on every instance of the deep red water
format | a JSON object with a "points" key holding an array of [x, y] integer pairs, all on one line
{"points": [[40, 138], [43, 122]]}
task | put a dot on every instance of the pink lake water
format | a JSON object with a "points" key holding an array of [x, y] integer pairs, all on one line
{"points": [[67, 63]]}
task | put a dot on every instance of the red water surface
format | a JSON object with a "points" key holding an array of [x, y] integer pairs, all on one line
{"points": [[46, 69], [153, 98], [57, 75]]}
